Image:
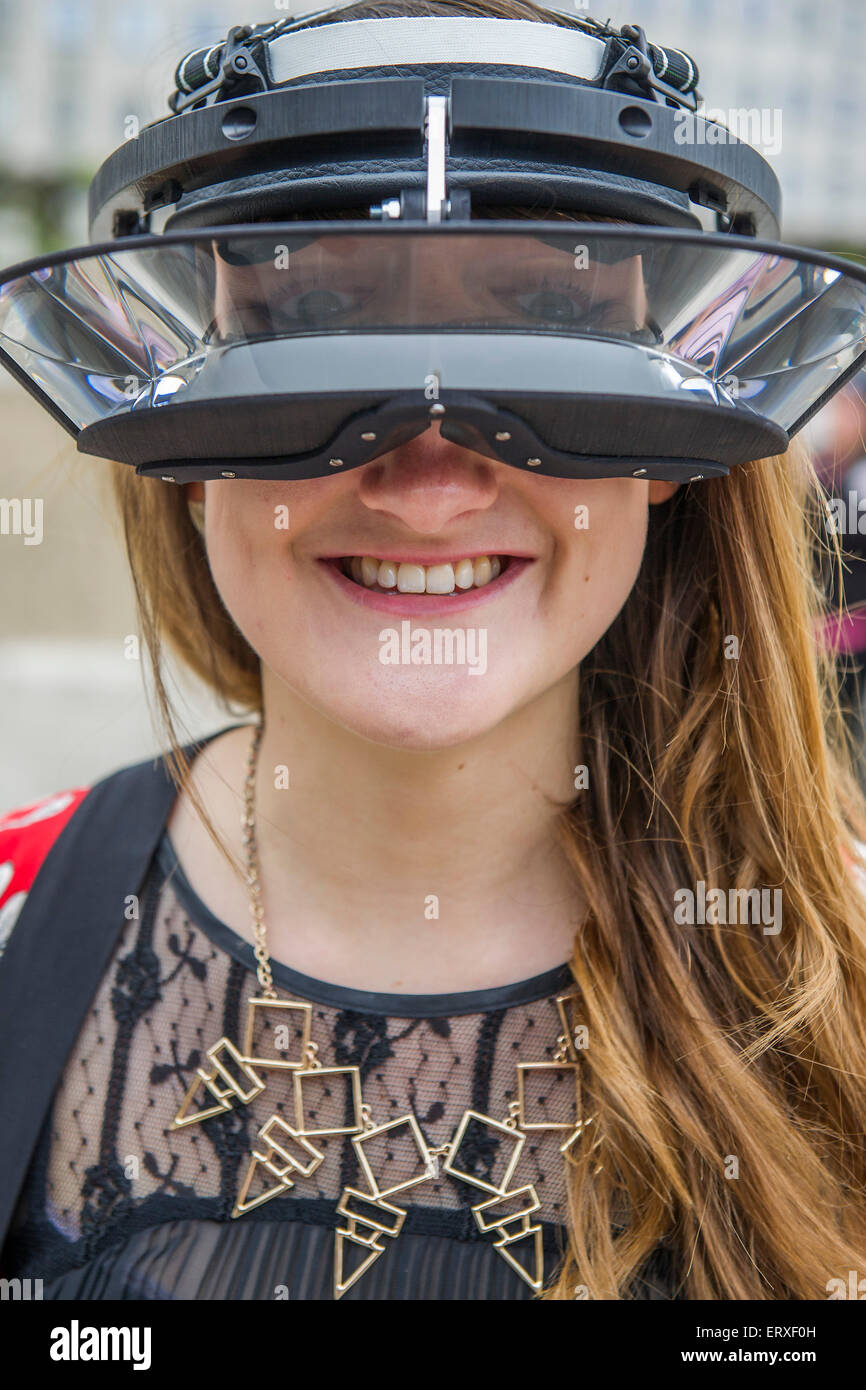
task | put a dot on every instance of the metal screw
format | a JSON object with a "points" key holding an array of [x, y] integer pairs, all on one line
{"points": [[632, 63], [639, 473], [228, 475], [390, 208], [437, 410], [167, 479], [336, 463], [533, 463], [503, 434], [368, 435]]}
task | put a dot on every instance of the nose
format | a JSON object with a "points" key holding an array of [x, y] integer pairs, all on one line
{"points": [[429, 482]]}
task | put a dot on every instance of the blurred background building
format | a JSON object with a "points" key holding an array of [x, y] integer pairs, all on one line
{"points": [[75, 77]]}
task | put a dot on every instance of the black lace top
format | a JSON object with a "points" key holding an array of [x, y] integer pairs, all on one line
{"points": [[116, 1204]]}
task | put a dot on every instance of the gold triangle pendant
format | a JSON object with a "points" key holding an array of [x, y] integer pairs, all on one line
{"points": [[182, 1118], [374, 1251], [480, 1134], [280, 1186], [536, 1280], [370, 1210], [290, 1153], [243, 1083]]}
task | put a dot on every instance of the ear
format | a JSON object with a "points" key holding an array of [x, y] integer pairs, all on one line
{"points": [[194, 492], [659, 490]]}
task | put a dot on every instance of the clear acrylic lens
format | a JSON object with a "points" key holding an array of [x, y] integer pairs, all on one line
{"points": [[137, 326]]}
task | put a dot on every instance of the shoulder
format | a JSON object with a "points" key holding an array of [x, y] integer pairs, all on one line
{"points": [[26, 836]]}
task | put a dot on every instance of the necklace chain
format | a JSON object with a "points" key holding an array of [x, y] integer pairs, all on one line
{"points": [[248, 823]]}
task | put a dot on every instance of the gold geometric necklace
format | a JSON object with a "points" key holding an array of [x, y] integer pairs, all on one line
{"points": [[483, 1152]]}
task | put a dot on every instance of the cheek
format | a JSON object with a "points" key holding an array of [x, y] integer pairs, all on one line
{"points": [[601, 559], [249, 564]]}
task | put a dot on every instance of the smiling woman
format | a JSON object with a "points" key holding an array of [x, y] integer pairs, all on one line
{"points": [[425, 508], [408, 946]]}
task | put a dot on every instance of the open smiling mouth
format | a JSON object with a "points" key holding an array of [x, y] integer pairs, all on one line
{"points": [[391, 577]]}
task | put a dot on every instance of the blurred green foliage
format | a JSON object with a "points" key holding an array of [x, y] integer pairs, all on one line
{"points": [[44, 199]]}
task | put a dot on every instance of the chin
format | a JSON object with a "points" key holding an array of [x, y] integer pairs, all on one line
{"points": [[420, 722]]}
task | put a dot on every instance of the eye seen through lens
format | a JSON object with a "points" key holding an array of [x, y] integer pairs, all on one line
{"points": [[428, 282]]}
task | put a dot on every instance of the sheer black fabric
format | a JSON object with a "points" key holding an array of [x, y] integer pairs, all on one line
{"points": [[117, 1205]]}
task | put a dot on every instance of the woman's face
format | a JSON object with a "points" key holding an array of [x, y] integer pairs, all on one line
{"points": [[423, 597], [364, 651]]}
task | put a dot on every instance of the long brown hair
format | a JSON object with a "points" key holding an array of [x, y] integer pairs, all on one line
{"points": [[724, 1068]]}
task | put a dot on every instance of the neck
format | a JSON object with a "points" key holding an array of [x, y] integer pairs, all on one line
{"points": [[397, 871], [441, 866]]}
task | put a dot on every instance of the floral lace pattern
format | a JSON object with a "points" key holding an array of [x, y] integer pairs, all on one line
{"points": [[109, 1166]]}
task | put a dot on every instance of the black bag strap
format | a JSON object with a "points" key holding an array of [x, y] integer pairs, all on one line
{"points": [[62, 943]]}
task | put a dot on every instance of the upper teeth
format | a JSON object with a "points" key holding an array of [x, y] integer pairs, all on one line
{"points": [[423, 579]]}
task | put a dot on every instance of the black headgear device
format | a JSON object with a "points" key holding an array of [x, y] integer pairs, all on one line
{"points": [[263, 333]]}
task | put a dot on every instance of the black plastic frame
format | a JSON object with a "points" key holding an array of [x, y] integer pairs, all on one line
{"points": [[746, 436], [526, 121]]}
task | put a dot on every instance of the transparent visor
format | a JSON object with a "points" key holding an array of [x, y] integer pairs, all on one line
{"points": [[128, 328]]}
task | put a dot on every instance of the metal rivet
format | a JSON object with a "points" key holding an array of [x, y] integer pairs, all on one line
{"points": [[697, 478], [503, 434], [167, 479], [368, 435], [228, 475], [239, 122], [336, 463], [639, 473], [533, 463], [437, 410]]}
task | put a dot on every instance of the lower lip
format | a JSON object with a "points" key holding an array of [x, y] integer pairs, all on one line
{"points": [[410, 605]]}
